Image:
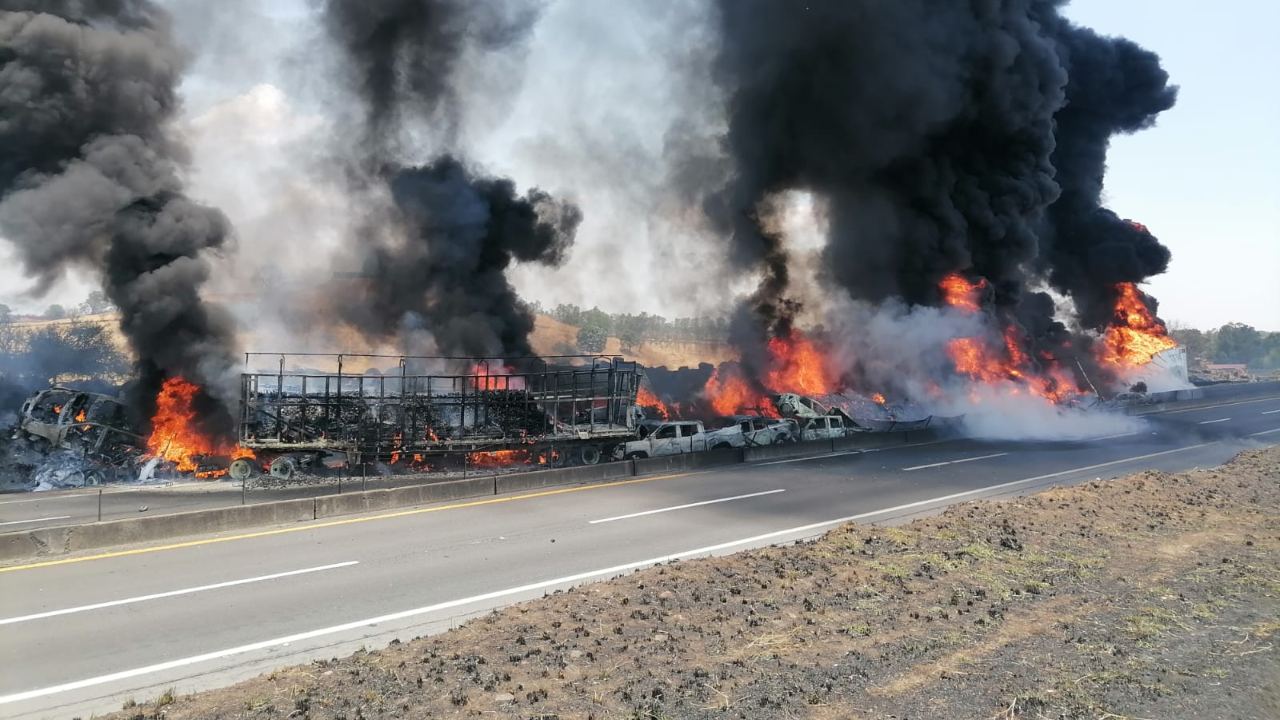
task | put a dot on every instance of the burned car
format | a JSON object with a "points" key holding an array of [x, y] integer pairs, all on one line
{"points": [[752, 431], [94, 424]]}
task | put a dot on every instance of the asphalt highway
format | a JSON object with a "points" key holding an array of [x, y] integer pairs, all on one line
{"points": [[84, 633]]}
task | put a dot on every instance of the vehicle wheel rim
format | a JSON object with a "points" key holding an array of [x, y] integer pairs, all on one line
{"points": [[240, 469], [590, 455], [282, 468]]}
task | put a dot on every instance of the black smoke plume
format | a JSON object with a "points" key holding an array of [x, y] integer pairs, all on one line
{"points": [[436, 260], [90, 178], [945, 137], [444, 270], [1115, 87]]}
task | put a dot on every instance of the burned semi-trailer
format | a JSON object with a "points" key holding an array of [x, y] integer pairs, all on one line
{"points": [[433, 412]]}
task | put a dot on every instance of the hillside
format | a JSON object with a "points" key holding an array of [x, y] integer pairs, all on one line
{"points": [[550, 337]]}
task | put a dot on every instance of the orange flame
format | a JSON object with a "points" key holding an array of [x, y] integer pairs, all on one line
{"points": [[732, 394], [485, 376], [174, 434], [646, 398], [958, 292], [500, 458], [878, 398], [81, 416], [796, 365], [987, 365], [1135, 335]]}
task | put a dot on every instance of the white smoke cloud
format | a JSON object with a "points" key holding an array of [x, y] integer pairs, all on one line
{"points": [[902, 352]]}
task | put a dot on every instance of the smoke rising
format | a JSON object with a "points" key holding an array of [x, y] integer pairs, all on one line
{"points": [[90, 177], [445, 269], [436, 248], [1115, 87], [943, 137]]}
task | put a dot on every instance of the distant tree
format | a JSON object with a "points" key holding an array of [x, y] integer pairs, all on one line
{"points": [[78, 350], [1270, 359], [1199, 344], [597, 317], [6, 314], [97, 302], [1238, 343], [630, 336], [592, 338], [55, 312], [569, 314]]}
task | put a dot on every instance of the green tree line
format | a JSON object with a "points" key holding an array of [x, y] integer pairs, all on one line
{"points": [[1231, 343]]}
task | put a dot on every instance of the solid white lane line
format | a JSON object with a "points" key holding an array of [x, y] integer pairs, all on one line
{"points": [[855, 452], [1264, 432], [1270, 412], [1113, 437], [50, 497], [953, 462], [1211, 407], [173, 593], [811, 457], [545, 584], [682, 507], [1210, 422], [22, 522]]}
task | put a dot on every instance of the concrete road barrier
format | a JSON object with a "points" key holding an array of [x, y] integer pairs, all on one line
{"points": [[386, 499], [60, 540], [788, 450], [688, 461], [520, 482], [55, 541]]}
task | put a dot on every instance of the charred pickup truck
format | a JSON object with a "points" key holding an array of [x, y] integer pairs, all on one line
{"points": [[753, 431], [658, 438]]}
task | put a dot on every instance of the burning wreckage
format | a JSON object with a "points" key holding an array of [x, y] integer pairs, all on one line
{"points": [[572, 410], [427, 414]]}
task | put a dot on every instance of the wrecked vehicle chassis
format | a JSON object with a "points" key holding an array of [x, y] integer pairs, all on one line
{"points": [[552, 411], [94, 424]]}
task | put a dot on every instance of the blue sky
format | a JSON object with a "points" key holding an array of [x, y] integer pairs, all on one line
{"points": [[1206, 179]]}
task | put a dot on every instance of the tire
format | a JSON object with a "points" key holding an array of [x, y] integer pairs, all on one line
{"points": [[556, 458], [284, 468], [720, 446], [240, 469], [589, 455]]}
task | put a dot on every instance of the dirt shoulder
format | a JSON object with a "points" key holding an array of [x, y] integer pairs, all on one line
{"points": [[1154, 596]]}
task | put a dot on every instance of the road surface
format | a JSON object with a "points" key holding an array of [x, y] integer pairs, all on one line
{"points": [[84, 633]]}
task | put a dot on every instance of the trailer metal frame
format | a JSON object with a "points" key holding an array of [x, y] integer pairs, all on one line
{"points": [[494, 404]]}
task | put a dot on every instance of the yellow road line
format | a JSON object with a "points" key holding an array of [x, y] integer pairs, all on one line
{"points": [[337, 523]]}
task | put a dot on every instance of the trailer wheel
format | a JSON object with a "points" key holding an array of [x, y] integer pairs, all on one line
{"points": [[589, 455], [240, 469], [284, 468], [556, 458]]}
